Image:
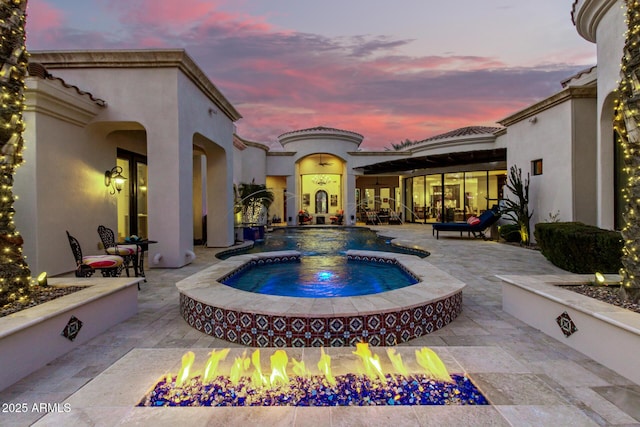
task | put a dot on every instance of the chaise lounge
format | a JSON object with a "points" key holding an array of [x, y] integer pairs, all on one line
{"points": [[475, 226]]}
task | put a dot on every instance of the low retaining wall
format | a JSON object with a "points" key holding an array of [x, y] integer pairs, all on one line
{"points": [[606, 333], [31, 338]]}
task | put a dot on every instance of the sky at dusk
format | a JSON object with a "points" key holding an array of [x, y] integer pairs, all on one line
{"points": [[387, 70]]}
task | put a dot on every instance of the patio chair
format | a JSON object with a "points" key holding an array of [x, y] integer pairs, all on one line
{"points": [[474, 225], [395, 217], [337, 218], [109, 265], [129, 253], [304, 218], [372, 218]]}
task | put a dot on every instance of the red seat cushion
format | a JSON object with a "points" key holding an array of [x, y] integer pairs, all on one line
{"points": [[473, 220], [102, 261]]}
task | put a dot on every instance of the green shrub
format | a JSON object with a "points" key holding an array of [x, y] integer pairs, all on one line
{"points": [[580, 248], [510, 233]]}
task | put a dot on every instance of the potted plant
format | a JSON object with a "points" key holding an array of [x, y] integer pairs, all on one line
{"points": [[252, 203]]}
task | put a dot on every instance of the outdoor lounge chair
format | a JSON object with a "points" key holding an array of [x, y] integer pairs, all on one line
{"points": [[477, 228], [109, 265]]}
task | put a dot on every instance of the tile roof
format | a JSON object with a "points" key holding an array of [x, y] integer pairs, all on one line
{"points": [[465, 131], [38, 70], [319, 129]]}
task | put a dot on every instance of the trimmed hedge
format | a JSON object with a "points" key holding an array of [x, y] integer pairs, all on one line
{"points": [[510, 233], [580, 248]]}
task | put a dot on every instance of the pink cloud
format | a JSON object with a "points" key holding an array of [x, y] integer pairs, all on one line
{"points": [[281, 81], [183, 14], [43, 22]]}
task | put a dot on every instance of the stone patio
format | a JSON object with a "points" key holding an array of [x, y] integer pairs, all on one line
{"points": [[530, 378]]}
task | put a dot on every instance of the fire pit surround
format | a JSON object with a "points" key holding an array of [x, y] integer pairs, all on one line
{"points": [[258, 320]]}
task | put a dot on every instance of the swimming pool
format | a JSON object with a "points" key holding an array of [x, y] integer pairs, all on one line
{"points": [[323, 241], [321, 277]]}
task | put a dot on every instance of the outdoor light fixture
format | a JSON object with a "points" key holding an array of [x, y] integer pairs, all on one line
{"points": [[114, 179], [321, 180], [42, 279], [600, 280]]}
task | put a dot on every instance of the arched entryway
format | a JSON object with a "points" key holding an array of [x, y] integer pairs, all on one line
{"points": [[212, 194], [321, 185]]}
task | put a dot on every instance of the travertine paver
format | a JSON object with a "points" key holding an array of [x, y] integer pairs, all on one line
{"points": [[586, 392]]}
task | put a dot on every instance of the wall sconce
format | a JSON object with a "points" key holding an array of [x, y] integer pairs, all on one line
{"points": [[114, 179]]}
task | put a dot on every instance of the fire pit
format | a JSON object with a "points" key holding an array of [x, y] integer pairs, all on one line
{"points": [[247, 384]]}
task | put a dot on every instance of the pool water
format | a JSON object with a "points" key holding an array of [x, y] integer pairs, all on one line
{"points": [[324, 241], [321, 277]]}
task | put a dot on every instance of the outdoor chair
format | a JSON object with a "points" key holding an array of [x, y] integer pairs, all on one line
{"points": [[474, 225], [395, 217], [372, 218], [337, 218], [304, 218], [109, 265], [129, 253]]}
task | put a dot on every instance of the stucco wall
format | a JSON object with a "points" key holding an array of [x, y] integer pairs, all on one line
{"points": [[610, 42], [60, 187], [175, 112], [548, 137]]}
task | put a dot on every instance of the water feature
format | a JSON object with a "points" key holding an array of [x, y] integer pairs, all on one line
{"points": [[281, 317]]}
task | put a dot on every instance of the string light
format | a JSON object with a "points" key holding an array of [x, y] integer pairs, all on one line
{"points": [[626, 125], [15, 275]]}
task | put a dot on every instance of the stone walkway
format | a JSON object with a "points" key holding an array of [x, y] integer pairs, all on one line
{"points": [[587, 393]]}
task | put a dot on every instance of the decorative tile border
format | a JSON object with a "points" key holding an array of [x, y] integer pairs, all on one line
{"points": [[260, 320], [265, 330]]}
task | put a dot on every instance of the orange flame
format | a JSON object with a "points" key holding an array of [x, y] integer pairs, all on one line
{"points": [[370, 361], [212, 364], [396, 361], [325, 367], [183, 373], [279, 361], [432, 364]]}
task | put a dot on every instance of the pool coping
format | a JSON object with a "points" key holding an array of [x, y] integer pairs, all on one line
{"points": [[267, 320]]}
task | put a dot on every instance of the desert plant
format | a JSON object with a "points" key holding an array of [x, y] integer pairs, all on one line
{"points": [[510, 233], [253, 200], [517, 209]]}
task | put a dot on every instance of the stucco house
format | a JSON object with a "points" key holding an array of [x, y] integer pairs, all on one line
{"points": [[155, 115]]}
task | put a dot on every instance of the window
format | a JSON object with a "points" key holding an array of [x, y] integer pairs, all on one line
{"points": [[536, 167]]}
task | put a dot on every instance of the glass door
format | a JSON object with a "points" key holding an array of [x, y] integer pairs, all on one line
{"points": [[132, 200]]}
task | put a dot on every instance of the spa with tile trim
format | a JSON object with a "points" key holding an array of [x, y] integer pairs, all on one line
{"points": [[260, 320]]}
